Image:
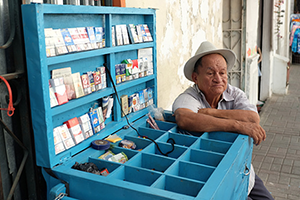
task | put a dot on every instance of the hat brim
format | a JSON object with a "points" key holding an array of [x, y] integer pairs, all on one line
{"points": [[228, 54]]}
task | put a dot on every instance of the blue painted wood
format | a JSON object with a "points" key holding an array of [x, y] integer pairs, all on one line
{"points": [[202, 168]]}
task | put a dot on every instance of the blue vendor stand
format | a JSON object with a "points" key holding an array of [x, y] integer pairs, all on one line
{"points": [[213, 166]]}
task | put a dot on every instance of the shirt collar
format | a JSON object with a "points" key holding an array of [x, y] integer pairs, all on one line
{"points": [[226, 96]]}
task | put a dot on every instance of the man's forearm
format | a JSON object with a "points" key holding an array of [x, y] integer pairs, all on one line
{"points": [[199, 122], [240, 115]]}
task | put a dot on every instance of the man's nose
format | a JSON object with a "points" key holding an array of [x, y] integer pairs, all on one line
{"points": [[217, 77]]}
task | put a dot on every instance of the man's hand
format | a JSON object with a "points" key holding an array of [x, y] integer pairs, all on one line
{"points": [[253, 130]]}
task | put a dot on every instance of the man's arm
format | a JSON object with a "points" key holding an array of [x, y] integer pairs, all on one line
{"points": [[240, 115], [199, 122]]}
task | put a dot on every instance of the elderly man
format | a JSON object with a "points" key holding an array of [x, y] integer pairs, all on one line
{"points": [[214, 105]]}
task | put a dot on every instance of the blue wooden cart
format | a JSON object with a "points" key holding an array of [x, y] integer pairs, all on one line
{"points": [[213, 166]]}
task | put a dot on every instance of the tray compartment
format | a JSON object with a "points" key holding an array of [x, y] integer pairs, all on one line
{"points": [[165, 147], [135, 175], [140, 143], [110, 166], [212, 145], [221, 136], [179, 185], [129, 153], [165, 126], [187, 170], [203, 157], [151, 133], [183, 140], [152, 162]]}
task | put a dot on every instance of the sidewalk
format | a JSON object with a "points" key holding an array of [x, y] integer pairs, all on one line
{"points": [[277, 160]]}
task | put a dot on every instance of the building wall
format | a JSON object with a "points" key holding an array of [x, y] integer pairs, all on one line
{"points": [[181, 27]]}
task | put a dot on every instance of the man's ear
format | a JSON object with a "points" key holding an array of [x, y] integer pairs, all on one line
{"points": [[194, 76]]}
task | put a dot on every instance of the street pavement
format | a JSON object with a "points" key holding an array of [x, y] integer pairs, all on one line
{"points": [[277, 160]]}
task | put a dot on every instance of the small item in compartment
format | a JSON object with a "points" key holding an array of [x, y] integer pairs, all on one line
{"points": [[127, 144], [97, 80], [106, 155], [100, 144], [119, 158], [91, 168], [113, 138], [104, 172]]}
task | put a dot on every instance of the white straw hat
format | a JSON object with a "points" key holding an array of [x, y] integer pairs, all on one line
{"points": [[205, 49]]}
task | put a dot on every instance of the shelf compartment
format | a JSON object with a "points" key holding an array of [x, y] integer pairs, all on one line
{"points": [[95, 53], [151, 162], [187, 170], [179, 185], [203, 157], [135, 175], [165, 126], [212, 146], [165, 147], [183, 140], [129, 153], [221, 136], [151, 133], [74, 103], [110, 166], [140, 143]]}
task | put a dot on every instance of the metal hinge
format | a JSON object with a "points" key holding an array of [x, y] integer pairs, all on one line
{"points": [[61, 196]]}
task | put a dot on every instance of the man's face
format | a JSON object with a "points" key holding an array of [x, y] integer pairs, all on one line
{"points": [[212, 75]]}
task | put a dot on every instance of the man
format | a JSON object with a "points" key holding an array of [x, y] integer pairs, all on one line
{"points": [[214, 105]]}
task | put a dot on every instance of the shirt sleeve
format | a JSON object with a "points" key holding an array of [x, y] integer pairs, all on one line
{"points": [[241, 101], [185, 100]]}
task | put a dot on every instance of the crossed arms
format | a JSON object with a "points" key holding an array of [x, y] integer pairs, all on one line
{"points": [[208, 119]]}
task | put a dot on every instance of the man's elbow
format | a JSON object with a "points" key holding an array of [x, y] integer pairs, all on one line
{"points": [[181, 119]]}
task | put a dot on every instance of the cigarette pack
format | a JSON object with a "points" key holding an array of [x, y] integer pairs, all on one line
{"points": [[100, 117], [119, 36], [49, 41], [75, 129], [85, 124], [113, 36], [77, 85], [150, 39], [132, 34], [53, 100], [92, 37], [76, 38], [92, 81], [97, 80], [99, 35], [86, 84], [124, 103], [118, 73], [58, 143], [66, 136], [59, 43], [123, 72], [94, 121], [59, 90], [68, 40], [124, 34]]}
